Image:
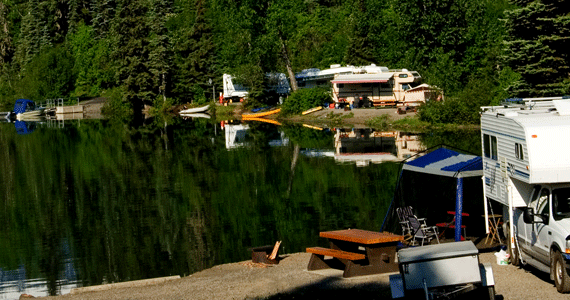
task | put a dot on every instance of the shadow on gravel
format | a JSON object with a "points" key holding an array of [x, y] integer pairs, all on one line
{"points": [[327, 289]]}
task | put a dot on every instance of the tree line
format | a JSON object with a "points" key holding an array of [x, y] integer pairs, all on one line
{"points": [[163, 52]]}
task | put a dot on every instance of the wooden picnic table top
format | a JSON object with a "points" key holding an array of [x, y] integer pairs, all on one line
{"points": [[362, 236]]}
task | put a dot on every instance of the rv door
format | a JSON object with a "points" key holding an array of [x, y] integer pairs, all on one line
{"points": [[525, 229], [540, 237]]}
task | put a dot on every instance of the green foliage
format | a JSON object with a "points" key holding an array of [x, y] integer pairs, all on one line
{"points": [[92, 66], [49, 75], [536, 47], [117, 106], [304, 99]]}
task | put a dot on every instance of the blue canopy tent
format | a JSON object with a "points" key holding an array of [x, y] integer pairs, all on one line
{"points": [[449, 163]]}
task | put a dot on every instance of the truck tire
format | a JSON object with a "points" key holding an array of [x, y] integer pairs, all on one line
{"points": [[561, 277], [512, 250]]}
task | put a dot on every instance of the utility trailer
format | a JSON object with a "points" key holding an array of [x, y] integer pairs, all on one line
{"points": [[442, 271], [526, 165]]}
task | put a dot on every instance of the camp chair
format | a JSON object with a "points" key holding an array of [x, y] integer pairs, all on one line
{"points": [[422, 232], [403, 214]]}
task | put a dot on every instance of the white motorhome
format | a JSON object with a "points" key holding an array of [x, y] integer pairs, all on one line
{"points": [[235, 92], [526, 164]]}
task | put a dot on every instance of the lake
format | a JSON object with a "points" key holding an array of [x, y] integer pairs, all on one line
{"points": [[92, 201]]}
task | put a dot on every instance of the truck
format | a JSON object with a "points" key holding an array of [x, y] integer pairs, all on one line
{"points": [[526, 166]]}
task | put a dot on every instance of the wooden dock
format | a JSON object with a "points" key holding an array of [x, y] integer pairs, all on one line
{"points": [[75, 109]]}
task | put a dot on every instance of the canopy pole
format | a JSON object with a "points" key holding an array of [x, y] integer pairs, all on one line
{"points": [[485, 201], [458, 208]]}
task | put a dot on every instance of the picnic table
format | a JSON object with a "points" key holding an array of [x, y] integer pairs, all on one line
{"points": [[357, 252]]}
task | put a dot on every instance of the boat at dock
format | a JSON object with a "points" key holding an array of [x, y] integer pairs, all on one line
{"points": [[194, 110], [25, 109]]}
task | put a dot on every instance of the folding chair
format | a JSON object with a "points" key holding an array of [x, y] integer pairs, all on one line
{"points": [[421, 231]]}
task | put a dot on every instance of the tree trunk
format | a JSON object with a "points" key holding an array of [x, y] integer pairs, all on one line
{"points": [[288, 65]]}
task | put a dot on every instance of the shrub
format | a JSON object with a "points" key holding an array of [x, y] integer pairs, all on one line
{"points": [[304, 99]]}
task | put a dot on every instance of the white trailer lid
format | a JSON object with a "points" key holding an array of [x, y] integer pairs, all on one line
{"points": [[439, 251]]}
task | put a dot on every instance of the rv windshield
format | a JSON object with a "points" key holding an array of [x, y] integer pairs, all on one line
{"points": [[561, 203]]}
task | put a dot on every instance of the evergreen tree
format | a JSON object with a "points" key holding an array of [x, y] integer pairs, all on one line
{"points": [[359, 51], [103, 12], [34, 32], [537, 47], [159, 46], [196, 56], [129, 35]]}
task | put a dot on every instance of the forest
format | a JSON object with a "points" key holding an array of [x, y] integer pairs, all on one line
{"points": [[164, 52]]}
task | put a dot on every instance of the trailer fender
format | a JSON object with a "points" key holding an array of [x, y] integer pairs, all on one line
{"points": [[487, 278]]}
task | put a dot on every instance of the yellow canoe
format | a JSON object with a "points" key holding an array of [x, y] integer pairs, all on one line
{"points": [[314, 109], [261, 114]]}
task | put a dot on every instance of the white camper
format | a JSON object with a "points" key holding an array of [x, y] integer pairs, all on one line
{"points": [[235, 92], [526, 164]]}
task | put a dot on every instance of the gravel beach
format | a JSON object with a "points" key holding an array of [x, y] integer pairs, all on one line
{"points": [[290, 280]]}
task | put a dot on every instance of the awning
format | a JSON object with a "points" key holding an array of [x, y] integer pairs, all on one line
{"points": [[363, 78], [446, 162]]}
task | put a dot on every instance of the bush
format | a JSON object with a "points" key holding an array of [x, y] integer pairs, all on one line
{"points": [[304, 99]]}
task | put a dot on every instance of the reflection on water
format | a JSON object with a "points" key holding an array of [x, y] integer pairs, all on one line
{"points": [[364, 146], [97, 202]]}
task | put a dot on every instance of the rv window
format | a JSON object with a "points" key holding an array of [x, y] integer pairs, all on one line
{"points": [[561, 203], [519, 151], [405, 87], [403, 75], [341, 85], [494, 147], [486, 146], [542, 205]]}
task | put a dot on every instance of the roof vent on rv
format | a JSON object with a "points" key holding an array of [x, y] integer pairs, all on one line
{"points": [[562, 106]]}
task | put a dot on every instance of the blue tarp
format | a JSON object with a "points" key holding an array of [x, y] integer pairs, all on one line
{"points": [[446, 162]]}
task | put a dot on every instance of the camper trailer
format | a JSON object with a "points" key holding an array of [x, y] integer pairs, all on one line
{"points": [[526, 164]]}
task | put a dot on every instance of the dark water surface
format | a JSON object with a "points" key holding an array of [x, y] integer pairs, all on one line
{"points": [[91, 202]]}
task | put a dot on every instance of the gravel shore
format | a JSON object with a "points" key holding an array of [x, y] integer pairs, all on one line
{"points": [[290, 280]]}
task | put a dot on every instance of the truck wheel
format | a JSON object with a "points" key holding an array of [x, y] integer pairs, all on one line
{"points": [[513, 251], [561, 278]]}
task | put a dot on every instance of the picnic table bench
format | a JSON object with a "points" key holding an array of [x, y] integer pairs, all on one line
{"points": [[357, 252]]}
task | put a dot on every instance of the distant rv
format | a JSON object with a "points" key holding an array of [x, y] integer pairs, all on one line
{"points": [[236, 92], [384, 88]]}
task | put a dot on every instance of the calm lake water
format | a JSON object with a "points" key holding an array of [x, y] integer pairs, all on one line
{"points": [[90, 202]]}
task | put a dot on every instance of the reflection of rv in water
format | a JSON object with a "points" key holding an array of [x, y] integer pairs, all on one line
{"points": [[237, 136], [365, 146]]}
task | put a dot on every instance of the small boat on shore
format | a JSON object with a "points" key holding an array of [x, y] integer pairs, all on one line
{"points": [[261, 114], [194, 110]]}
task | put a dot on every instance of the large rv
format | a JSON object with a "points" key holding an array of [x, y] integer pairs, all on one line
{"points": [[384, 88], [526, 164], [310, 78]]}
